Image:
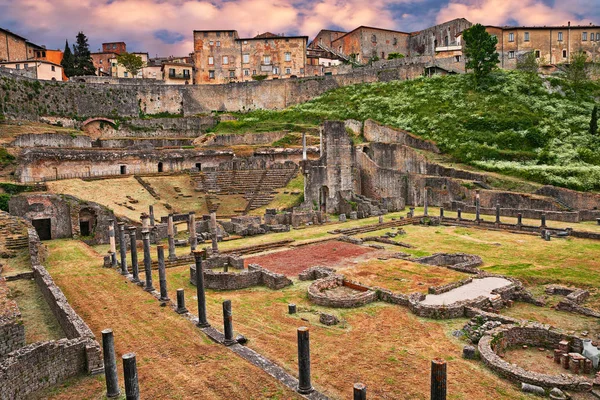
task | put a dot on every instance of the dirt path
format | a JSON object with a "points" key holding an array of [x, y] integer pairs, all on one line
{"points": [[175, 360]]}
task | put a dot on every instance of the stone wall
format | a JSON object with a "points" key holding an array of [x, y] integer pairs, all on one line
{"points": [[12, 330], [251, 139], [51, 140], [572, 198], [255, 275], [564, 216], [376, 132], [361, 296], [29, 99], [534, 335]]}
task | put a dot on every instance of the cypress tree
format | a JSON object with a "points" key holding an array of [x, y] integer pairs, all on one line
{"points": [[68, 61], [83, 58], [594, 122]]}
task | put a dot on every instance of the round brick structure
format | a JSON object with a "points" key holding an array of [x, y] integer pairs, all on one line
{"points": [[356, 295]]}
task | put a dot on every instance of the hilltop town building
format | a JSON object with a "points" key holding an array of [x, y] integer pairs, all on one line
{"points": [[119, 71], [366, 43], [550, 44], [35, 69], [223, 57], [177, 73]]}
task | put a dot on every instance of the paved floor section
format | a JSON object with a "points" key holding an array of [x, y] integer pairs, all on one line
{"points": [[479, 287]]}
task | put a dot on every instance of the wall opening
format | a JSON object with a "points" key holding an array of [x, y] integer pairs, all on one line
{"points": [[199, 166], [87, 222], [43, 227], [323, 194], [160, 167], [123, 169]]}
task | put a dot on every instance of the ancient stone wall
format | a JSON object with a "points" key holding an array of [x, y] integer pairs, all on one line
{"points": [[572, 198], [29, 99], [51, 140], [255, 275], [535, 335], [564, 216], [376, 132], [251, 139], [12, 330], [361, 295]]}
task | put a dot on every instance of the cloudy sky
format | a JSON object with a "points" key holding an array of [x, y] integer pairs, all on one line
{"points": [[164, 27]]}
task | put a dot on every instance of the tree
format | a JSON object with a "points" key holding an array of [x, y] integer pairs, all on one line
{"points": [[528, 63], [576, 72], [83, 64], [594, 122], [480, 51], [132, 63], [68, 62], [393, 56]]}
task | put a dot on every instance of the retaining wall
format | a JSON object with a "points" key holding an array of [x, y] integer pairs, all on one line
{"points": [[12, 330]]}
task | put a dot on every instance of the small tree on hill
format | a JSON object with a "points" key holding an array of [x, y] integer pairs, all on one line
{"points": [[132, 63], [68, 61], [594, 122], [577, 70], [528, 63], [480, 51], [83, 64]]}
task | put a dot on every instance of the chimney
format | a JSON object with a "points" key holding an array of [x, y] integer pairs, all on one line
{"points": [[569, 24]]}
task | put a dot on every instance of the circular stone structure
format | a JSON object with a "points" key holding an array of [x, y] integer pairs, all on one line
{"points": [[534, 335], [335, 291]]}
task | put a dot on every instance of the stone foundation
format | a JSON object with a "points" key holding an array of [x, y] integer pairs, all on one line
{"points": [[317, 293], [255, 275]]}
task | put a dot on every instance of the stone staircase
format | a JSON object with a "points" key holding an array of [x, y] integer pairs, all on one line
{"points": [[16, 242]]}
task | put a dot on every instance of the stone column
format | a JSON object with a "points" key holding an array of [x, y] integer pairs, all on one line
{"points": [[132, 389], [192, 231], [228, 323], [360, 391], [151, 214], [213, 232], [425, 202], [117, 237], [497, 213], [459, 213], [438, 379], [135, 268], [320, 142], [181, 302], [304, 385], [162, 274], [110, 364], [303, 145], [147, 261], [543, 220], [145, 218], [519, 219], [171, 238], [441, 212], [202, 321], [291, 308], [477, 206], [123, 248], [411, 212], [112, 241]]}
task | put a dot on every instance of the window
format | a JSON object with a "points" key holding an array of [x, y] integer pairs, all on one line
{"points": [[288, 56], [125, 74], [230, 34], [511, 54], [456, 58], [526, 38], [211, 74], [114, 46], [537, 54], [301, 70], [275, 71], [232, 74], [101, 69], [511, 37], [205, 34], [560, 36], [211, 43], [253, 72], [25, 66], [211, 61], [267, 60], [44, 54], [225, 60], [597, 37], [53, 68], [564, 54], [186, 73], [218, 43], [340, 49], [245, 58], [245, 42], [246, 72], [18, 66], [374, 38], [171, 72], [395, 41], [218, 34], [584, 36], [114, 64], [592, 36], [288, 71], [100, 62]]}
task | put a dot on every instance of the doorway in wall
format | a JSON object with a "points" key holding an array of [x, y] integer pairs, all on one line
{"points": [[43, 227], [160, 167]]}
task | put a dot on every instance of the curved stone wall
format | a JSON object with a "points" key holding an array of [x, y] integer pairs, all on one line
{"points": [[502, 338], [363, 295]]}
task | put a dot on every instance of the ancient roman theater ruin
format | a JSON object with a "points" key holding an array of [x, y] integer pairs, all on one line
{"points": [[146, 254]]}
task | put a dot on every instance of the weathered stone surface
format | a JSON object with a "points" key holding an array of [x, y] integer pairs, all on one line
{"points": [[328, 319], [469, 353]]}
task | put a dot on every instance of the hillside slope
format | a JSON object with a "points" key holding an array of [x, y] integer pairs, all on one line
{"points": [[515, 125]]}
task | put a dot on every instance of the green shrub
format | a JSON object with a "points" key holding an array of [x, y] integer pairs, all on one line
{"points": [[4, 198]]}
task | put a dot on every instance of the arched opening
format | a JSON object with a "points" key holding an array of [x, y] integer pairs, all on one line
{"points": [[323, 195], [87, 222], [160, 167]]}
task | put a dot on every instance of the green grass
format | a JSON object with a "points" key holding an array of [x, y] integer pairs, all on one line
{"points": [[513, 125]]}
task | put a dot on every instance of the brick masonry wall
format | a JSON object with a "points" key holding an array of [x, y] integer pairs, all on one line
{"points": [[12, 330], [360, 298], [255, 275]]}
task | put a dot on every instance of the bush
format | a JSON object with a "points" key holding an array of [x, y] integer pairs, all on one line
{"points": [[4, 198]]}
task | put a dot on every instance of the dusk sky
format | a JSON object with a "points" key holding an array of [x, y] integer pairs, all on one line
{"points": [[164, 27]]}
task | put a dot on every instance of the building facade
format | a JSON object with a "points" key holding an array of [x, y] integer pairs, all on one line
{"points": [[177, 73], [119, 71], [223, 57], [35, 69], [365, 43], [550, 44]]}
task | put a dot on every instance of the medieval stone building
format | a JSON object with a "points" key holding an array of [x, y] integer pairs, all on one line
{"points": [[550, 44], [222, 57]]}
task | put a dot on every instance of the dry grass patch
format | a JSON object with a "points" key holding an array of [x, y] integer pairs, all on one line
{"points": [[400, 275], [40, 324], [175, 360]]}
